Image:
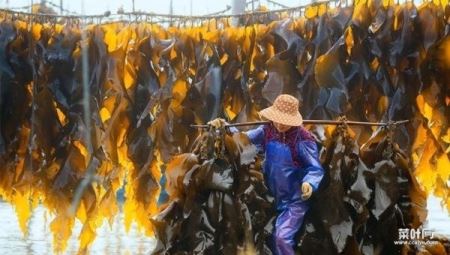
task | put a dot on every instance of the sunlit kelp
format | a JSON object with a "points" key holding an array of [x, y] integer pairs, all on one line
{"points": [[375, 61]]}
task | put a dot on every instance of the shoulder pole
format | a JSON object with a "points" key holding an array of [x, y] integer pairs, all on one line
{"points": [[318, 122]]}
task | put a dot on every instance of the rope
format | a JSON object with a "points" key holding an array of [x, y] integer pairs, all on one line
{"points": [[162, 17], [219, 12], [60, 7], [21, 8], [276, 3]]}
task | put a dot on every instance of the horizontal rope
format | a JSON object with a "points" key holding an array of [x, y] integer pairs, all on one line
{"points": [[61, 8], [276, 3], [147, 15]]}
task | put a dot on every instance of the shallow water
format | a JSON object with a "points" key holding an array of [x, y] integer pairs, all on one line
{"points": [[115, 240], [39, 241], [438, 217]]}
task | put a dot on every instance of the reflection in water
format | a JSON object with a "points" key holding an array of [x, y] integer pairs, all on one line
{"points": [[114, 240], [39, 241], [438, 217]]}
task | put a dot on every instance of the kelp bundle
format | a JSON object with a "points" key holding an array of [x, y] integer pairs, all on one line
{"points": [[332, 229], [374, 61], [218, 203], [373, 193]]}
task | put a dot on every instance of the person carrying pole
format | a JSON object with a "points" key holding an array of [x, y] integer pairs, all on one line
{"points": [[291, 168]]}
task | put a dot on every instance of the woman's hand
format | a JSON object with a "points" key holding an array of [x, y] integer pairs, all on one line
{"points": [[217, 123], [306, 190]]}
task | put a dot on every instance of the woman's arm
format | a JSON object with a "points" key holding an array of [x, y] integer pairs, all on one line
{"points": [[309, 158], [255, 135]]}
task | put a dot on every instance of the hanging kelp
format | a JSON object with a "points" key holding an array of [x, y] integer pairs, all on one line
{"points": [[340, 207], [398, 200], [373, 192], [375, 61], [381, 153], [218, 202]]}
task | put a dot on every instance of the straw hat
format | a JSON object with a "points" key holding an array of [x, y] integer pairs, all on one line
{"points": [[284, 111]]}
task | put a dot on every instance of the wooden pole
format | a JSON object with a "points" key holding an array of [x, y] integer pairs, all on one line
{"points": [[171, 12], [319, 122]]}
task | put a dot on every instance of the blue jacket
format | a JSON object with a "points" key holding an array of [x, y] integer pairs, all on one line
{"points": [[282, 176]]}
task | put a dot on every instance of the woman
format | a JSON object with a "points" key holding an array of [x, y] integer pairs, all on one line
{"points": [[292, 170]]}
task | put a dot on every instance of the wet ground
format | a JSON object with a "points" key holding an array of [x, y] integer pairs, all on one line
{"points": [[115, 240]]}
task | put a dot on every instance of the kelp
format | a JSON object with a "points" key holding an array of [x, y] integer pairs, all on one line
{"points": [[398, 199], [373, 192], [373, 61], [335, 229], [218, 203]]}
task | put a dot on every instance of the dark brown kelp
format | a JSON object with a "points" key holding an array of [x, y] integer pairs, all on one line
{"points": [[218, 204], [372, 192], [397, 201], [340, 208]]}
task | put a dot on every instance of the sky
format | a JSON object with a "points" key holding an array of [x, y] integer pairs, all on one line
{"points": [[182, 7]]}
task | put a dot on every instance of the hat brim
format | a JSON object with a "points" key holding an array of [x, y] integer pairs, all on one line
{"points": [[279, 117]]}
